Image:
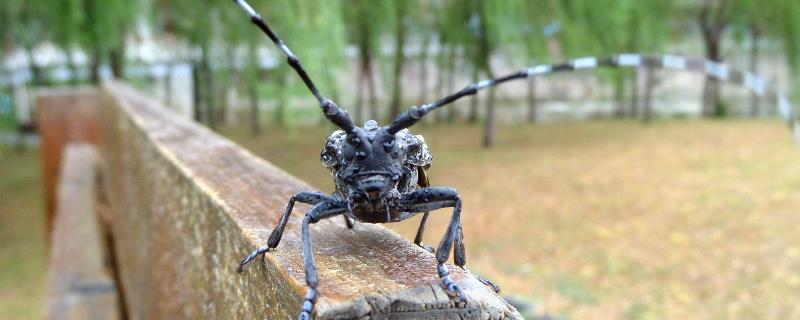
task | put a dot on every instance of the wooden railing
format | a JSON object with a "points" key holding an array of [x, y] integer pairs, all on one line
{"points": [[186, 205]]}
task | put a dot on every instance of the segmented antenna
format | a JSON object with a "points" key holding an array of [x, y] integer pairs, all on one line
{"points": [[710, 68], [414, 114], [335, 114]]}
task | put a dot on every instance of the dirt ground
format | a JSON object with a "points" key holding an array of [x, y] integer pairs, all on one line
{"points": [[614, 220], [595, 220]]}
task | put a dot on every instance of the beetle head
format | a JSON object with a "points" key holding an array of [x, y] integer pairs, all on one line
{"points": [[370, 162]]}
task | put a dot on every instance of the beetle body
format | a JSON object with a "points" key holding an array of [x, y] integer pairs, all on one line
{"points": [[372, 168], [379, 173]]}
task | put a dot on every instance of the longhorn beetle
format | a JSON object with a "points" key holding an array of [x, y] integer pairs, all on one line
{"points": [[379, 173]]}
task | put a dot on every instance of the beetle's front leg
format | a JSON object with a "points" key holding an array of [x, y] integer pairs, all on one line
{"points": [[431, 199], [318, 212], [312, 198]]}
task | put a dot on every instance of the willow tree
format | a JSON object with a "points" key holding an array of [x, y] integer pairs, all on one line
{"points": [[104, 27], [715, 18], [402, 12], [366, 21], [423, 23], [532, 17], [315, 32], [240, 35], [651, 35], [780, 20], [66, 19], [452, 28], [192, 21], [602, 28], [26, 27], [489, 21]]}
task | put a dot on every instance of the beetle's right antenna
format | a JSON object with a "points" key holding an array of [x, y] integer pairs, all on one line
{"points": [[335, 114]]}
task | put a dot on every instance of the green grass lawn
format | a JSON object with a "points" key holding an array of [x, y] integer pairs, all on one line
{"points": [[597, 220], [22, 250], [607, 219]]}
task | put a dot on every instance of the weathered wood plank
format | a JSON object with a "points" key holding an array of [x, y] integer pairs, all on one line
{"points": [[80, 286], [63, 115], [187, 205]]}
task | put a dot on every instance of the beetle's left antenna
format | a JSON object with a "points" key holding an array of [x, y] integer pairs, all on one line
{"points": [[416, 113], [335, 114]]}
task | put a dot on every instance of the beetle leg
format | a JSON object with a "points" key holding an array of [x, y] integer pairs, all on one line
{"points": [[421, 231], [433, 198], [459, 253], [318, 212], [349, 222], [275, 237], [424, 182], [426, 199]]}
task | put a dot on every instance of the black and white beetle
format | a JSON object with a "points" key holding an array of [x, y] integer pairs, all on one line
{"points": [[379, 174], [380, 171]]}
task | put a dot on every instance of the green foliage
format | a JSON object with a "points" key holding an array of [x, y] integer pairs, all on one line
{"points": [[318, 31], [23, 24], [782, 17]]}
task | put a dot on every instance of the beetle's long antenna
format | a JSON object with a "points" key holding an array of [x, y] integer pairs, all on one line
{"points": [[710, 68], [335, 114], [414, 114]]}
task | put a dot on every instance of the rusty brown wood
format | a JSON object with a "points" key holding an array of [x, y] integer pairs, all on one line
{"points": [[63, 116], [187, 205], [80, 285]]}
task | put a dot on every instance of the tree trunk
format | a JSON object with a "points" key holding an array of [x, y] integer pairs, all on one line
{"points": [[423, 70], [619, 95], [473, 103], [221, 99], [359, 103], [489, 127], [442, 75], [454, 112], [251, 79], [711, 105], [532, 100], [168, 83], [255, 120], [117, 58], [72, 66], [197, 99], [207, 90], [633, 111], [373, 95], [755, 35], [647, 112], [712, 26], [95, 64], [399, 61], [283, 100]]}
